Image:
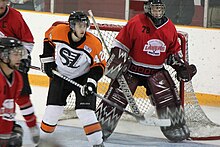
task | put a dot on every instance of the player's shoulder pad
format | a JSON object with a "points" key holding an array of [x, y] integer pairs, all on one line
{"points": [[92, 36], [57, 30], [60, 22]]}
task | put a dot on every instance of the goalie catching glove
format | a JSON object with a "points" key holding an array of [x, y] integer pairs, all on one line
{"points": [[185, 72], [47, 65], [89, 88]]}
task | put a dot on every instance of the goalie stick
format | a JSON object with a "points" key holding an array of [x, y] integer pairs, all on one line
{"points": [[140, 118], [121, 79]]}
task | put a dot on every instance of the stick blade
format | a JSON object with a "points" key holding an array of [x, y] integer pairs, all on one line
{"points": [[156, 122]]}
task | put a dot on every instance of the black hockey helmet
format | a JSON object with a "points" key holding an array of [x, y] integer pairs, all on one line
{"points": [[78, 16], [8, 45], [155, 8]]}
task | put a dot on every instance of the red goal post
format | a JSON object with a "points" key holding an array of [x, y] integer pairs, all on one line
{"points": [[201, 127]]}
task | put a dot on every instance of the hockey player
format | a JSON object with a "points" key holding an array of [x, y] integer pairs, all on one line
{"points": [[78, 56], [13, 25], [149, 40], [11, 84]]}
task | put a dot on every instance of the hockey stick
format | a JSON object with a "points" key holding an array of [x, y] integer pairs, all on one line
{"points": [[98, 30], [121, 79], [35, 67], [140, 118]]}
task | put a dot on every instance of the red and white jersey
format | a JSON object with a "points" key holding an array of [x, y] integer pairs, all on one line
{"points": [[9, 92], [148, 45], [13, 25]]}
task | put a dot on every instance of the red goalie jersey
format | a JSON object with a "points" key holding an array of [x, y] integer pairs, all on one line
{"points": [[9, 92], [148, 45]]}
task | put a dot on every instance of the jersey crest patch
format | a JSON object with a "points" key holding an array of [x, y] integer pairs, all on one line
{"points": [[154, 47], [7, 111], [87, 49]]}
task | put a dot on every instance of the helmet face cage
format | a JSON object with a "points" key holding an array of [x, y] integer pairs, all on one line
{"points": [[78, 17], [10, 45], [155, 8]]}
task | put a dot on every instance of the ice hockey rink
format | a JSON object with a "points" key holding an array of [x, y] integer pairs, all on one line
{"points": [[69, 133]]}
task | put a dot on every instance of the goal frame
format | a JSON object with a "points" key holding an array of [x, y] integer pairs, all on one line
{"points": [[183, 38]]}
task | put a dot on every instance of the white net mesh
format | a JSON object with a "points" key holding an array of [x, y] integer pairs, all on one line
{"points": [[200, 125]]}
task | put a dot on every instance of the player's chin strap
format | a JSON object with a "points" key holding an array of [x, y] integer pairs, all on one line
{"points": [[140, 118]]}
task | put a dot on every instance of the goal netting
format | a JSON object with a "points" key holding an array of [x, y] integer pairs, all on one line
{"points": [[201, 127]]}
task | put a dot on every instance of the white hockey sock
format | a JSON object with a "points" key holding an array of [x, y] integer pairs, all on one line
{"points": [[91, 126], [50, 119]]}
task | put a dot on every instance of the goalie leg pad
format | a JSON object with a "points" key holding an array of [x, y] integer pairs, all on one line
{"points": [[168, 105], [109, 115]]}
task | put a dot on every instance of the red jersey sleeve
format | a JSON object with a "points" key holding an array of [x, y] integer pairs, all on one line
{"points": [[14, 25], [21, 28]]}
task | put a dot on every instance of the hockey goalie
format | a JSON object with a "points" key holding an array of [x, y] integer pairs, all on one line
{"points": [[139, 52]]}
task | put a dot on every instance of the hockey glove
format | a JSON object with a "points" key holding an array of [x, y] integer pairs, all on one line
{"points": [[25, 64], [186, 73], [89, 88], [47, 65], [35, 133]]}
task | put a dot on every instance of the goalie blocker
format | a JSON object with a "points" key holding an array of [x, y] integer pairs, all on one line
{"points": [[168, 105]]}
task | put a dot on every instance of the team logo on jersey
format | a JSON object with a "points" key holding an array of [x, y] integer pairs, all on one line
{"points": [[7, 111], [154, 47], [69, 58]]}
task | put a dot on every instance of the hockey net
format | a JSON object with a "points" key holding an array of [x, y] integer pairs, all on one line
{"points": [[201, 127]]}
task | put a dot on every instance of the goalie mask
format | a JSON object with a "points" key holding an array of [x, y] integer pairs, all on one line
{"points": [[155, 8], [9, 45], [78, 16]]}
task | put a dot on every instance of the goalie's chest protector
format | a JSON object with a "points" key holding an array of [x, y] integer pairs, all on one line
{"points": [[146, 43]]}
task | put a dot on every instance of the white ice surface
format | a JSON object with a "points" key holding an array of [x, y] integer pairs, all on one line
{"points": [[127, 134]]}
